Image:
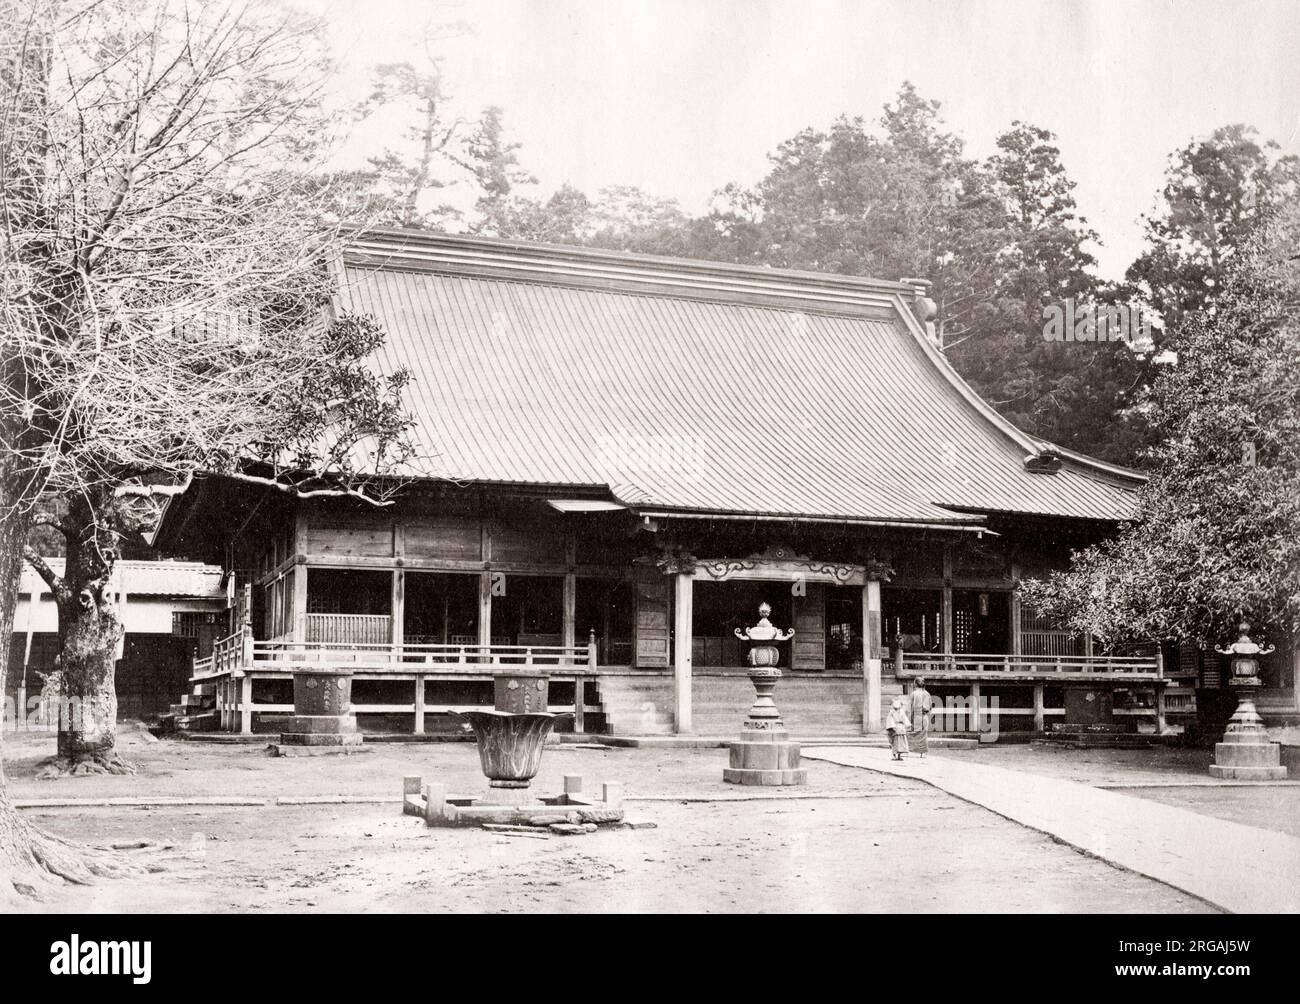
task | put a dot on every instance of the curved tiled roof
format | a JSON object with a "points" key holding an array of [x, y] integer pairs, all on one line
{"points": [[691, 387]]}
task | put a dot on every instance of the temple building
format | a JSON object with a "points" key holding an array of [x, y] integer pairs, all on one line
{"points": [[622, 457]]}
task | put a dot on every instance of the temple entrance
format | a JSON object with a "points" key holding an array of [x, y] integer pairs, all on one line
{"points": [[441, 608], [528, 610], [349, 607], [721, 607], [981, 621], [912, 619]]}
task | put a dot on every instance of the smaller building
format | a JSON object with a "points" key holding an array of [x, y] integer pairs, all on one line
{"points": [[172, 612]]}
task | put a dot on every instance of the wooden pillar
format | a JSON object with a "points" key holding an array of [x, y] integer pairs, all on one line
{"points": [[871, 653], [570, 614], [419, 705], [298, 630], [946, 616], [1160, 711], [397, 604], [246, 705], [1040, 720], [485, 587], [397, 609], [485, 607], [682, 638], [298, 576], [975, 707], [1016, 642]]}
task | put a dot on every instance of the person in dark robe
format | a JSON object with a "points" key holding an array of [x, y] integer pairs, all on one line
{"points": [[919, 704]]}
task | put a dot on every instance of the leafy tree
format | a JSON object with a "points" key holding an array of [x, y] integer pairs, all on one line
{"points": [[1079, 395], [1217, 534], [1216, 192], [162, 314], [621, 217], [408, 183]]}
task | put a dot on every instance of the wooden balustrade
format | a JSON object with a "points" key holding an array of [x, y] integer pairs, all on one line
{"points": [[421, 657], [350, 629], [940, 666]]}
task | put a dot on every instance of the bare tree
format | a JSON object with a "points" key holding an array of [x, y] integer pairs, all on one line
{"points": [[164, 312]]}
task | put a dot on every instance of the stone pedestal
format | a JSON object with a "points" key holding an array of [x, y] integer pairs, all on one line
{"points": [[1086, 706], [1246, 754], [765, 754], [323, 718]]}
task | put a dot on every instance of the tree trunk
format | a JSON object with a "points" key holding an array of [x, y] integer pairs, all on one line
{"points": [[90, 631], [30, 861]]}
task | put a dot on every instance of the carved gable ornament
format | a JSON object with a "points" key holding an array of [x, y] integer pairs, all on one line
{"points": [[780, 563]]}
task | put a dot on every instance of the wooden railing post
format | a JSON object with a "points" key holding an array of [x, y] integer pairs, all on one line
{"points": [[579, 704], [246, 704], [591, 650]]}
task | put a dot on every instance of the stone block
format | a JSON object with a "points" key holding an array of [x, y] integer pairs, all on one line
{"points": [[573, 784], [436, 809], [322, 692], [320, 724], [411, 784], [750, 776], [1228, 754], [1247, 773], [764, 756], [1089, 705], [320, 739]]}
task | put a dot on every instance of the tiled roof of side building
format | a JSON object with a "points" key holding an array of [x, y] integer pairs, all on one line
{"points": [[180, 579], [697, 387]]}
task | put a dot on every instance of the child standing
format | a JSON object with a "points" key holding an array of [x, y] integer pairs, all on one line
{"points": [[897, 725]]}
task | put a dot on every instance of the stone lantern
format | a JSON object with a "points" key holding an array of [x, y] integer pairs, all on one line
{"points": [[1246, 752], [764, 755]]}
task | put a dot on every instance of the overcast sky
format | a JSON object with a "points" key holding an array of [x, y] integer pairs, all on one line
{"points": [[682, 96]]}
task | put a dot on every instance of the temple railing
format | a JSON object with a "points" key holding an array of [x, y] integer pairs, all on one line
{"points": [[936, 666], [230, 654], [350, 629]]}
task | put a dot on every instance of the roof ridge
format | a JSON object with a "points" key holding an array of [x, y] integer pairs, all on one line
{"points": [[420, 250]]}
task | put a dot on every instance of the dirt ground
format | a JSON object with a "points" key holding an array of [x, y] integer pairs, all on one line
{"points": [[852, 840]]}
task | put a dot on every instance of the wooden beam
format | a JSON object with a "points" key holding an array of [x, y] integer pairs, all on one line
{"points": [[1016, 617], [246, 705], [569, 616], [946, 615], [683, 607], [485, 608], [397, 604], [298, 604], [871, 655]]}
